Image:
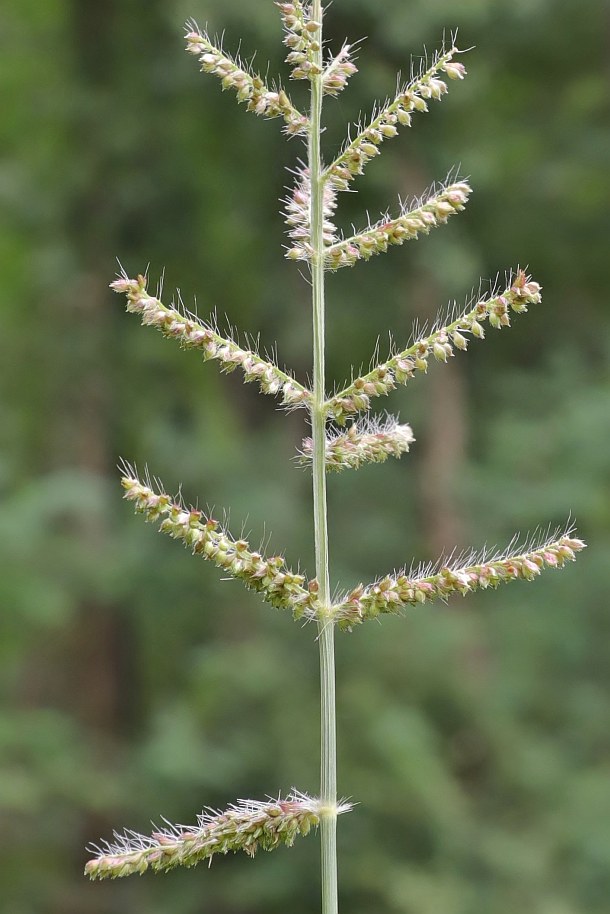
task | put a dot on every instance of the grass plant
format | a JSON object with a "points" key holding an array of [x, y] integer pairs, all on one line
{"points": [[339, 439]]}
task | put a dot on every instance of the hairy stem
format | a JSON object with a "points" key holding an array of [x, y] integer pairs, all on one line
{"points": [[328, 786]]}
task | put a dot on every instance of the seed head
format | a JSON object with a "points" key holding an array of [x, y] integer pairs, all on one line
{"points": [[193, 333], [416, 218], [392, 593], [248, 825], [248, 86], [410, 99], [270, 577], [370, 441]]}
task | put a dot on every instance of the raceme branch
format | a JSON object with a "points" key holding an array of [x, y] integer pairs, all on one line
{"points": [[248, 826], [193, 333], [389, 117], [270, 577], [392, 593], [368, 441], [440, 344], [248, 86]]}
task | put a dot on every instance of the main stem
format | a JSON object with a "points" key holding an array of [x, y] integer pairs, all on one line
{"points": [[326, 633]]}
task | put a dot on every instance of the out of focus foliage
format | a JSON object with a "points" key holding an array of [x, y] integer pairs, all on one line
{"points": [[475, 737]]}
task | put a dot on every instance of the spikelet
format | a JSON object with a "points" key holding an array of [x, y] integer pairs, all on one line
{"points": [[339, 70]]}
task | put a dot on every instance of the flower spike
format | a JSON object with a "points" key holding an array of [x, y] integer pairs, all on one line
{"points": [[247, 85], [391, 594], [384, 123], [298, 216], [416, 218], [363, 442], [521, 291], [193, 333], [248, 825], [270, 577], [302, 38]]}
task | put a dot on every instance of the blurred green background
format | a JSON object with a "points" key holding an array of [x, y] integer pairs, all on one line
{"points": [[476, 736]]}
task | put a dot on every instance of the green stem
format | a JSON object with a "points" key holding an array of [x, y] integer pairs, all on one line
{"points": [[328, 820], [328, 785]]}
